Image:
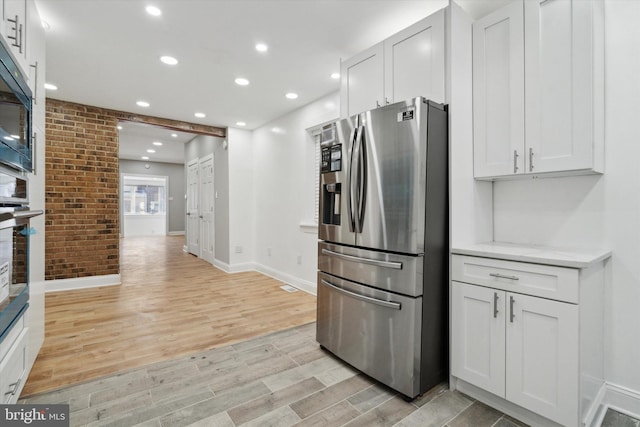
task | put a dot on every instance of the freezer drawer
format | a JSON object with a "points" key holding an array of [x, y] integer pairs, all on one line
{"points": [[375, 331], [392, 272]]}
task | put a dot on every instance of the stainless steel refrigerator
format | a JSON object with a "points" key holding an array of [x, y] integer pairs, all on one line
{"points": [[382, 254]]}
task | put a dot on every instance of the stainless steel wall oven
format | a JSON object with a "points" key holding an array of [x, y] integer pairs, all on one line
{"points": [[16, 162]]}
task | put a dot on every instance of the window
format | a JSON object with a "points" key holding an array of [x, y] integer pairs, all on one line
{"points": [[316, 171], [144, 195]]}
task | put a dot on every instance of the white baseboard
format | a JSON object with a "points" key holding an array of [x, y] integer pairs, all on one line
{"points": [[175, 233], [618, 398], [81, 283], [235, 268], [296, 282]]}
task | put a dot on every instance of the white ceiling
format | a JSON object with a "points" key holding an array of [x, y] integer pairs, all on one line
{"points": [[136, 138], [106, 52]]}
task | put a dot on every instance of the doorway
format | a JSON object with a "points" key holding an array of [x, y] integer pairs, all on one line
{"points": [[144, 205], [200, 208]]}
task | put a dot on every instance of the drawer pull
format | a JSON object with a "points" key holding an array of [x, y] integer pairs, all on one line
{"points": [[495, 305], [13, 388], [511, 315], [503, 276], [377, 263], [383, 303]]}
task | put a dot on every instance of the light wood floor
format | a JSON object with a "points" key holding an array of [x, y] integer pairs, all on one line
{"points": [[170, 304]]}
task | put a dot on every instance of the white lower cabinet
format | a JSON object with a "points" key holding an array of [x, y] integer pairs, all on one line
{"points": [[13, 363], [538, 357], [521, 348]]}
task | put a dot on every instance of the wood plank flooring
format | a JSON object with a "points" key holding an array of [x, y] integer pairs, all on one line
{"points": [[170, 304], [278, 380]]}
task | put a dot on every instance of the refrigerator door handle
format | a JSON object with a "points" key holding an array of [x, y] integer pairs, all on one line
{"points": [[351, 202], [362, 180], [377, 263], [382, 303]]}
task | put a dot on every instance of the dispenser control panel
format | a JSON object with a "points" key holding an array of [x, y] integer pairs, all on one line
{"points": [[331, 158]]}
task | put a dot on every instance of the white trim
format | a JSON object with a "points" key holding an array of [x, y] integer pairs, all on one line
{"points": [[235, 268], [175, 233], [309, 227], [303, 285], [621, 399], [81, 283], [185, 249]]}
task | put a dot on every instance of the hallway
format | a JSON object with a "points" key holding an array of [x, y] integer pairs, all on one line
{"points": [[170, 304]]}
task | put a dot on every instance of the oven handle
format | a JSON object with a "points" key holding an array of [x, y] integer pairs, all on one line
{"points": [[19, 214], [383, 303], [377, 263]]}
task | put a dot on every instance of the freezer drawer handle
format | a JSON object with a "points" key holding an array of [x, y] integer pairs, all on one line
{"points": [[383, 303], [387, 264]]}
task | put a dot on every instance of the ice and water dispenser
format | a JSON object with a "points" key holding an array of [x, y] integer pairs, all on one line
{"points": [[330, 168]]}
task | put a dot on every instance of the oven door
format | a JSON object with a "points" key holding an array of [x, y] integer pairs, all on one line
{"points": [[14, 265], [376, 332]]}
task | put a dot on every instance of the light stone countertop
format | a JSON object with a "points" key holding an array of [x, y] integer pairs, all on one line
{"points": [[536, 254]]}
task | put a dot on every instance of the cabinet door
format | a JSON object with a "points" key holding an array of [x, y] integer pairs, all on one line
{"points": [[542, 357], [36, 55], [362, 82], [414, 61], [498, 92], [15, 31], [477, 336], [559, 64]]}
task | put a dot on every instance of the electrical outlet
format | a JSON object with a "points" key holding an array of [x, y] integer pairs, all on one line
{"points": [[268, 251], [238, 249], [299, 259]]}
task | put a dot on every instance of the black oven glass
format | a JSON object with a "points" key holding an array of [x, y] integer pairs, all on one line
{"points": [[15, 116], [14, 291]]}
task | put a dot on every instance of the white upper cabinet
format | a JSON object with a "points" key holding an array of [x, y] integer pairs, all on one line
{"points": [[538, 89], [14, 31], [414, 61], [498, 92], [362, 81], [408, 64]]}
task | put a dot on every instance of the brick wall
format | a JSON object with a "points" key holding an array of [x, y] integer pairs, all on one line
{"points": [[82, 230], [81, 190]]}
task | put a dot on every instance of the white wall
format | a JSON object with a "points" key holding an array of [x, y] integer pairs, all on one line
{"points": [[284, 193], [241, 203], [597, 211]]}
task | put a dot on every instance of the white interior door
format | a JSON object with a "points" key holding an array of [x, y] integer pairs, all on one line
{"points": [[207, 193], [193, 222]]}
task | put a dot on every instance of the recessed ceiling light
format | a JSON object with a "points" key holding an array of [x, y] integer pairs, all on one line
{"points": [[174, 135], [145, 157], [242, 81], [169, 60], [241, 124], [200, 115], [158, 143], [261, 47], [335, 76], [15, 136], [144, 104], [151, 151], [153, 11], [119, 127], [50, 86], [291, 95]]}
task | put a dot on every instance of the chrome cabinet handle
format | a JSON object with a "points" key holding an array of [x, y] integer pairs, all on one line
{"points": [[35, 91], [530, 159], [380, 302], [13, 388], [495, 305], [515, 161], [503, 276], [34, 160], [17, 36], [378, 263], [511, 314]]}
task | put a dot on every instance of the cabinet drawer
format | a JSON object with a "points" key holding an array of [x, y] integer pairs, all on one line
{"points": [[11, 336], [558, 283], [13, 370]]}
